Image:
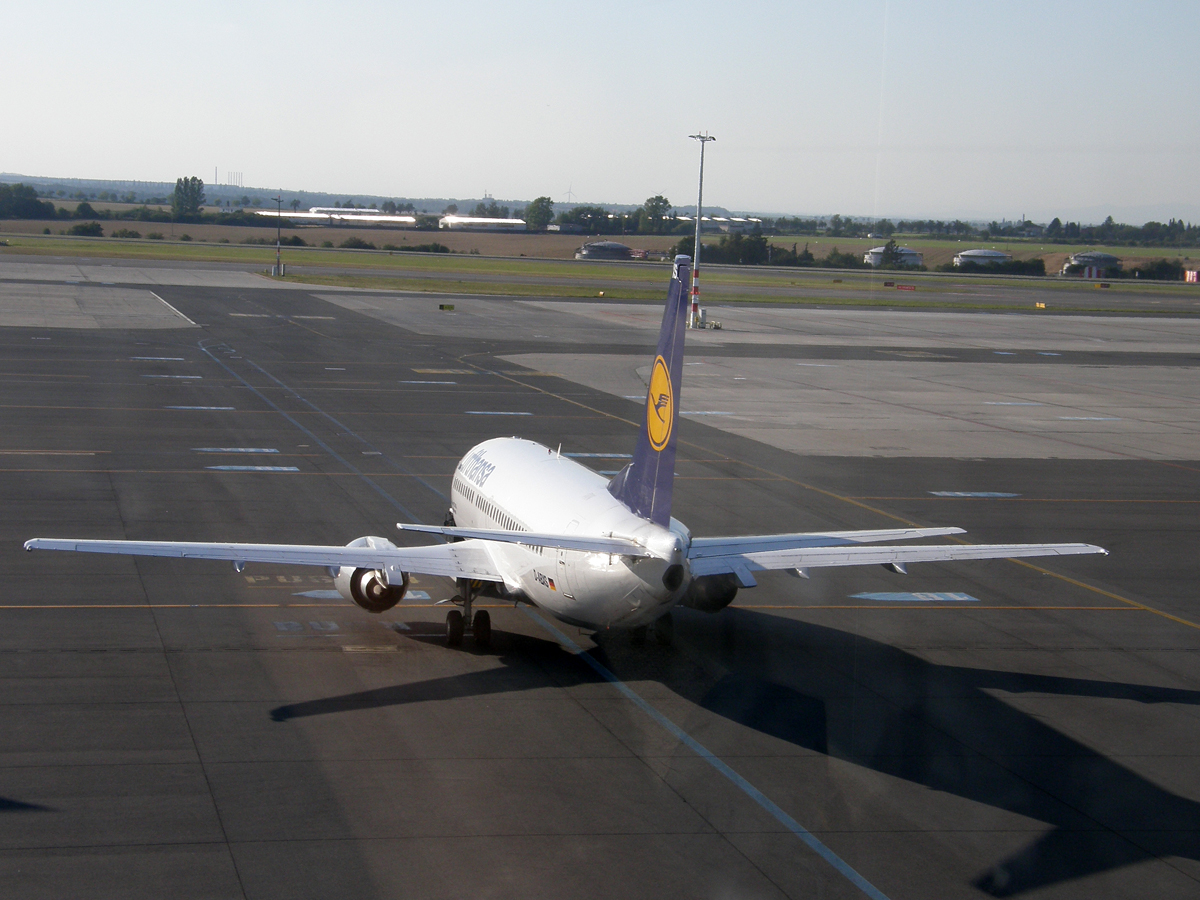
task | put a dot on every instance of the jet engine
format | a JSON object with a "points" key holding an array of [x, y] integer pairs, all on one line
{"points": [[375, 590], [710, 593]]}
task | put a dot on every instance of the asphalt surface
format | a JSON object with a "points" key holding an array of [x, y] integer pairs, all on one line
{"points": [[173, 728]]}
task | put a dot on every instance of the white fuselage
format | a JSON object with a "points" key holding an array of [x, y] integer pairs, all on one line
{"points": [[518, 485]]}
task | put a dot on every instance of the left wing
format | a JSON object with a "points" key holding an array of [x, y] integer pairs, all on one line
{"points": [[464, 559]]}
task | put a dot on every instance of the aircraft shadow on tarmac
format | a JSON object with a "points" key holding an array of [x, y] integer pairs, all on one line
{"points": [[7, 805], [871, 704]]}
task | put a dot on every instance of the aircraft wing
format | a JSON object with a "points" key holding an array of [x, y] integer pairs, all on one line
{"points": [[727, 546], [742, 564], [464, 559]]}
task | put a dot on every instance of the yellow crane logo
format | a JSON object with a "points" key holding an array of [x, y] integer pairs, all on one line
{"points": [[660, 405]]}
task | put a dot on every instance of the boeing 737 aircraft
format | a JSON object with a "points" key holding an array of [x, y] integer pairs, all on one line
{"points": [[532, 526]]}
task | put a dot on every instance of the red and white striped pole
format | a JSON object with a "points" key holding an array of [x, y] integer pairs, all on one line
{"points": [[694, 313]]}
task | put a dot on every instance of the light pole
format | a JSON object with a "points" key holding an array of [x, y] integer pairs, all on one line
{"points": [[694, 314], [278, 228]]}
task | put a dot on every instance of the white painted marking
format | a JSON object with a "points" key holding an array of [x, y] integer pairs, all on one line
{"points": [[490, 412], [188, 377], [599, 455], [253, 468], [199, 407], [1011, 403], [924, 597], [335, 368], [428, 382], [1090, 418], [971, 494], [1003, 353], [171, 308], [157, 358], [234, 450], [1047, 353], [324, 318], [819, 365], [252, 316]]}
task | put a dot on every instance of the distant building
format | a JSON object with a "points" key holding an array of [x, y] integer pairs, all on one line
{"points": [[982, 257], [726, 224], [480, 223], [566, 228], [1191, 276], [908, 257], [604, 250], [1091, 264], [338, 215]]}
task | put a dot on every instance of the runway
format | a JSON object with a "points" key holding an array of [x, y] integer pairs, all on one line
{"points": [[972, 730]]}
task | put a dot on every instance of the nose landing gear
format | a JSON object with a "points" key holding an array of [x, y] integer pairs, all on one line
{"points": [[456, 620]]}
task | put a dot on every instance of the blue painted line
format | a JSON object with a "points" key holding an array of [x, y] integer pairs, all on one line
{"points": [[490, 412], [1003, 353], [923, 597], [807, 837], [971, 494], [253, 468], [234, 450], [1047, 353]]}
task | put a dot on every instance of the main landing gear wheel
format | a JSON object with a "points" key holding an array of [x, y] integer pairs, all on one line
{"points": [[664, 630], [481, 629], [454, 628]]}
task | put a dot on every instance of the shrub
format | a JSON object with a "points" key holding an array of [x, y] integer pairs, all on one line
{"points": [[326, 243], [125, 233], [185, 237], [154, 236], [356, 243], [87, 229]]}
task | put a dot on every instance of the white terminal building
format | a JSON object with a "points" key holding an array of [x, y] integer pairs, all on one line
{"points": [[480, 223], [908, 257], [982, 257], [332, 215]]}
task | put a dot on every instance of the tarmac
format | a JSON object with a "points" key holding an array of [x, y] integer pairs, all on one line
{"points": [[1004, 728]]}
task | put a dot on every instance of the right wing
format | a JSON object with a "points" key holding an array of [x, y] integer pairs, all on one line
{"points": [[742, 564], [464, 559], [757, 543]]}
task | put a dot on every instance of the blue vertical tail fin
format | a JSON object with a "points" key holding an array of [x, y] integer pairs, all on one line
{"points": [[644, 486]]}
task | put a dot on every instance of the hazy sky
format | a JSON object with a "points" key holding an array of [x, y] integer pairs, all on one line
{"points": [[894, 108]]}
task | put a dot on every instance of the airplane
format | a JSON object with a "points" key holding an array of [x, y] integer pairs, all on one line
{"points": [[529, 525]]}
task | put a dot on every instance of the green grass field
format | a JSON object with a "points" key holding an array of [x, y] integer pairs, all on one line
{"points": [[526, 277]]}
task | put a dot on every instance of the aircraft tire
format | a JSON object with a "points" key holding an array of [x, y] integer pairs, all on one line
{"points": [[481, 629], [664, 630], [454, 628]]}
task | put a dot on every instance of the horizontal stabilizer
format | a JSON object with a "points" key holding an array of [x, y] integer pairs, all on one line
{"points": [[817, 557], [616, 545]]}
